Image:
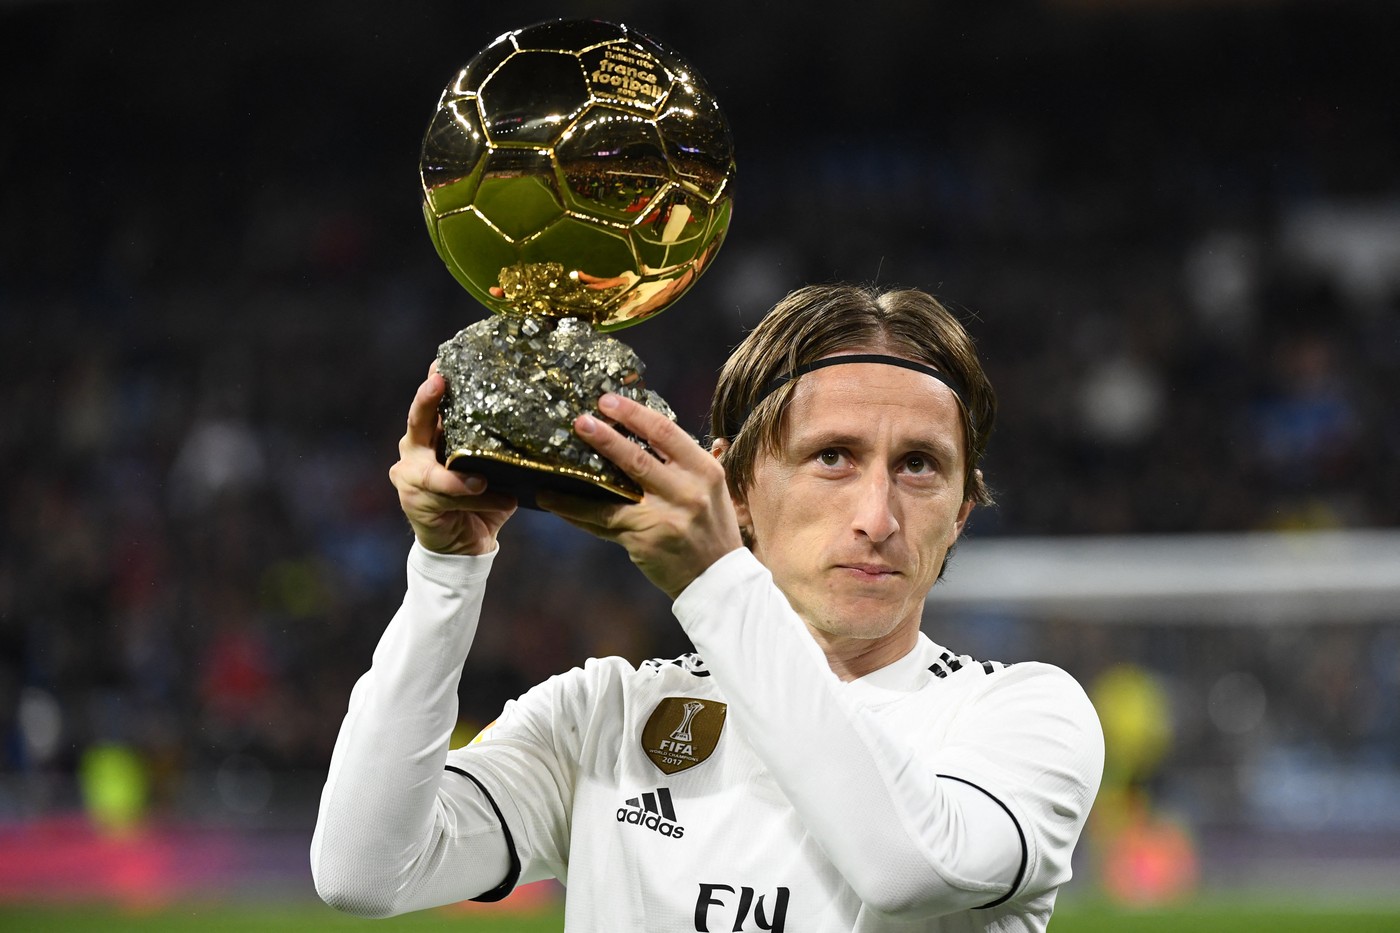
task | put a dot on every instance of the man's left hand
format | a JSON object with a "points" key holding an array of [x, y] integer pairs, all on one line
{"points": [[685, 520]]}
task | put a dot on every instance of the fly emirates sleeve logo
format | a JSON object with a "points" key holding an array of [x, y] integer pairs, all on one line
{"points": [[682, 732]]}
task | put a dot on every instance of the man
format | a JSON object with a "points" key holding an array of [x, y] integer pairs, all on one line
{"points": [[818, 763]]}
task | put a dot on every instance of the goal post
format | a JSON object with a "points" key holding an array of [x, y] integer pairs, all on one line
{"points": [[1254, 577]]}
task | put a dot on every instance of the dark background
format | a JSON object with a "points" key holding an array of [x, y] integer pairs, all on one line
{"points": [[1173, 228]]}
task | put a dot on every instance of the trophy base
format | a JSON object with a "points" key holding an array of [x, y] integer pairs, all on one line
{"points": [[522, 477]]}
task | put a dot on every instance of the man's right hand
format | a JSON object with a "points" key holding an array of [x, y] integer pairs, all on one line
{"points": [[451, 512]]}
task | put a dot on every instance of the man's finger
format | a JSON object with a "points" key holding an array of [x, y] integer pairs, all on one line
{"points": [[439, 479], [598, 518], [633, 459], [483, 502], [423, 413], [420, 472], [446, 490], [662, 434], [600, 533]]}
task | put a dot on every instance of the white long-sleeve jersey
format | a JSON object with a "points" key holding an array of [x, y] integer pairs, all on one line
{"points": [[753, 790]]}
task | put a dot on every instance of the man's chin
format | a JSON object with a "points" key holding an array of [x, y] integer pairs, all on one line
{"points": [[868, 623]]}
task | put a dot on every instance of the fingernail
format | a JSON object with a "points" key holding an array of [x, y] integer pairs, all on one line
{"points": [[475, 484], [608, 402], [586, 424]]}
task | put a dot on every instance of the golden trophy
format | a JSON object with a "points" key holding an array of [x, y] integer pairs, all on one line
{"points": [[577, 179]]}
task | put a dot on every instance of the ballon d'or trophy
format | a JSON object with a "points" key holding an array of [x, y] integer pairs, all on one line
{"points": [[577, 179]]}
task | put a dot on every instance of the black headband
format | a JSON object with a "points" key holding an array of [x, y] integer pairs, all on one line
{"points": [[802, 370]]}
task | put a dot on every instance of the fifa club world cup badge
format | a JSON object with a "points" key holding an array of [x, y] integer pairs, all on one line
{"points": [[682, 732]]}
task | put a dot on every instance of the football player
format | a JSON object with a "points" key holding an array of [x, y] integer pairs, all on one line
{"points": [[819, 763]]}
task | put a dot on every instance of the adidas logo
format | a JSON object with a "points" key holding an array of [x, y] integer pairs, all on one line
{"points": [[654, 810]]}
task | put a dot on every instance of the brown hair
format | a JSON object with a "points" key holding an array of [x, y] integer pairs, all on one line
{"points": [[820, 320]]}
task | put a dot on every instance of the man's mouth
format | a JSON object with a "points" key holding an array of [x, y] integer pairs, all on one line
{"points": [[869, 571]]}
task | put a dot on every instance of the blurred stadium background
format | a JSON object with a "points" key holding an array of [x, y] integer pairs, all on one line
{"points": [[1173, 226]]}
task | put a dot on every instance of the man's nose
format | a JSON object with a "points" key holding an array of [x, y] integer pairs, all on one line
{"points": [[875, 513]]}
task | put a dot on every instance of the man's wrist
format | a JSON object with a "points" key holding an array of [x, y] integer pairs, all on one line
{"points": [[738, 555], [450, 568]]}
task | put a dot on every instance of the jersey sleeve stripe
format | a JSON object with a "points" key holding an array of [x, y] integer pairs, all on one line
{"points": [[1025, 850], [513, 874]]}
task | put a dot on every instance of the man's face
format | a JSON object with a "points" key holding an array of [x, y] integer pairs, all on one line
{"points": [[856, 513]]}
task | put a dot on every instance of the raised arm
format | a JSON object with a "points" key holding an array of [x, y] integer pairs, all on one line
{"points": [[989, 814], [395, 831]]}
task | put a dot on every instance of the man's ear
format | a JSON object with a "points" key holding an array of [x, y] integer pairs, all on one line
{"points": [[718, 447], [963, 514], [965, 511]]}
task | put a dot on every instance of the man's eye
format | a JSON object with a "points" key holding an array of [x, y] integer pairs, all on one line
{"points": [[829, 457], [917, 463]]}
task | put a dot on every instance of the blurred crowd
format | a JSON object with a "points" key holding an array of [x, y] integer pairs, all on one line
{"points": [[1190, 310]]}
